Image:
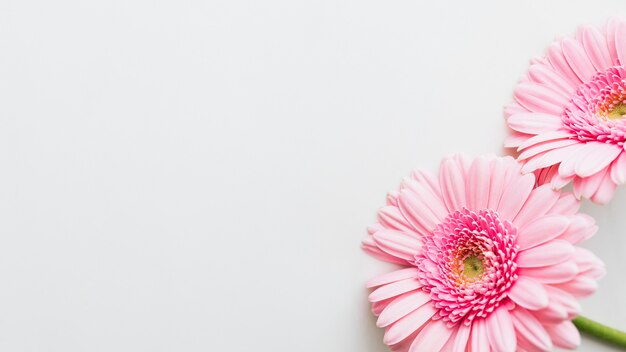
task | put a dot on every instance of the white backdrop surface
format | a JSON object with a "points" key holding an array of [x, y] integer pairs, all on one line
{"points": [[198, 175]]}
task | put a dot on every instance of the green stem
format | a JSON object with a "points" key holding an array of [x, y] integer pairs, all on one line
{"points": [[600, 331]]}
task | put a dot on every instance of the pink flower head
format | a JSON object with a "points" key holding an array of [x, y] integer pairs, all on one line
{"points": [[490, 262], [569, 113]]}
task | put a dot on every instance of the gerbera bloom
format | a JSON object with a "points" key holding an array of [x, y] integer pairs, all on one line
{"points": [[490, 262], [568, 117]]}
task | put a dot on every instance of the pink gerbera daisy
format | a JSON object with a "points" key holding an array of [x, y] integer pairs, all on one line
{"points": [[568, 117], [490, 262]]}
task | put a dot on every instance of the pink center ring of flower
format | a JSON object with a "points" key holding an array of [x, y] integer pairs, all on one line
{"points": [[468, 264], [597, 109]]}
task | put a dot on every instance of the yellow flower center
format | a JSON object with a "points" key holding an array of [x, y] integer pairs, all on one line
{"points": [[472, 267], [617, 113]]}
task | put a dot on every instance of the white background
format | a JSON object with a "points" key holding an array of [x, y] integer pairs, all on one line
{"points": [[198, 175]]}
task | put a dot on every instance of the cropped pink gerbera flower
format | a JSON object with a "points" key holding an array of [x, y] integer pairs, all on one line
{"points": [[568, 117], [490, 262]]}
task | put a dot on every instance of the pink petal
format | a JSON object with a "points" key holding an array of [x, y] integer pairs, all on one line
{"points": [[391, 218], [432, 337], [605, 192], [452, 185], [541, 230], [588, 263], [596, 48], [610, 37], [402, 306], [428, 181], [538, 99], [550, 253], [534, 123], [416, 213], [618, 169], [500, 330], [372, 249], [580, 287], [558, 61], [478, 339], [564, 335], [541, 73], [551, 274], [566, 205], [392, 198], [515, 195], [620, 42], [552, 157], [540, 201], [588, 186], [461, 338], [581, 228], [514, 139], [398, 244], [404, 327], [497, 184], [528, 293], [378, 307], [394, 289], [598, 158], [577, 59], [398, 275], [529, 328], [547, 146], [544, 137], [568, 165], [427, 196], [564, 300], [477, 185]]}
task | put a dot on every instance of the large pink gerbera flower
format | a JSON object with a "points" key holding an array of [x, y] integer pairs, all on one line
{"points": [[490, 262], [568, 116]]}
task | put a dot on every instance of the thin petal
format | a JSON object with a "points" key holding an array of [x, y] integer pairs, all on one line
{"points": [[432, 337], [577, 59], [542, 230], [564, 335], [551, 274], [558, 61], [620, 42], [479, 340], [566, 205], [618, 169], [391, 217], [580, 287], [500, 330], [544, 74], [452, 184], [528, 327], [402, 306], [534, 123], [461, 338], [596, 48], [528, 293], [550, 253], [598, 158], [515, 195], [397, 244], [540, 201], [404, 327], [605, 191], [398, 275], [394, 289], [477, 186]]}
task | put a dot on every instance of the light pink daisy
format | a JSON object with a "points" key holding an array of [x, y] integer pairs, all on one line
{"points": [[568, 117], [489, 261]]}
